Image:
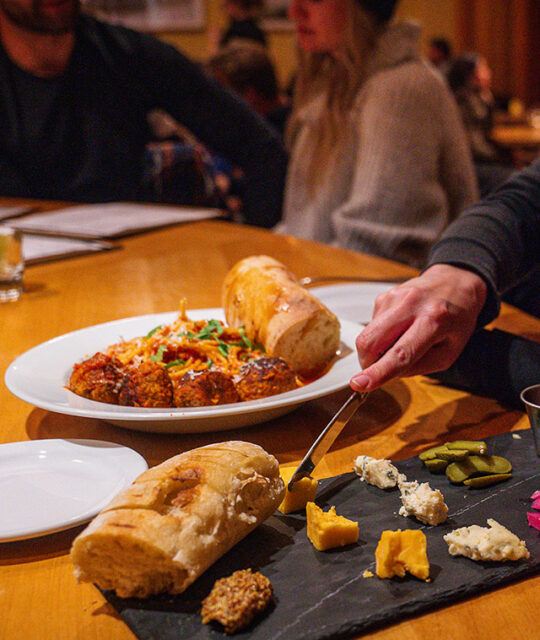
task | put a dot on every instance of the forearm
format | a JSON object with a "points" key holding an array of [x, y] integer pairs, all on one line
{"points": [[498, 238]]}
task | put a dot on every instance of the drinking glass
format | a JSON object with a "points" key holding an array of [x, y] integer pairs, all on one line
{"points": [[531, 398], [11, 264], [534, 118]]}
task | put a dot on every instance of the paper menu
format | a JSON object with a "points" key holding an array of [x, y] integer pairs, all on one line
{"points": [[38, 248], [12, 211], [110, 220]]}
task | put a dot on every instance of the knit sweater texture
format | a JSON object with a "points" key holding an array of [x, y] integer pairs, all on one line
{"points": [[401, 172]]}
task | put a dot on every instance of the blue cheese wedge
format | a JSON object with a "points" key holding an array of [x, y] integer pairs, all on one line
{"points": [[424, 503], [380, 473], [495, 543]]}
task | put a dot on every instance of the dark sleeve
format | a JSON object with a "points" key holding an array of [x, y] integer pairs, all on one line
{"points": [[495, 364], [162, 76], [497, 238]]}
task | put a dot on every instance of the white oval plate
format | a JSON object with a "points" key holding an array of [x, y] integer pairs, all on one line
{"points": [[40, 376], [52, 485], [352, 301]]}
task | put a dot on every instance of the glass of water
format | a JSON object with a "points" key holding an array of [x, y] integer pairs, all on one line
{"points": [[11, 264], [531, 398]]}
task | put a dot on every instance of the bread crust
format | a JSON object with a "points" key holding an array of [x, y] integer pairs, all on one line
{"points": [[260, 294], [177, 519]]}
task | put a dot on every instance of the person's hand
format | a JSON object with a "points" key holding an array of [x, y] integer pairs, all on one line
{"points": [[420, 326]]}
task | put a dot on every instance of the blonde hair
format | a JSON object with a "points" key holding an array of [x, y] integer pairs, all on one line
{"points": [[337, 79]]}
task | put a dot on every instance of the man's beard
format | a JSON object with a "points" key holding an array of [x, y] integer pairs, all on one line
{"points": [[37, 21]]}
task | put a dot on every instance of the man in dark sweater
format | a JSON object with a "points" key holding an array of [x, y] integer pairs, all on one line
{"points": [[74, 98], [423, 325]]}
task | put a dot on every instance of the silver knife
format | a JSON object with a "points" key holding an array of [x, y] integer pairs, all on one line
{"points": [[327, 437]]}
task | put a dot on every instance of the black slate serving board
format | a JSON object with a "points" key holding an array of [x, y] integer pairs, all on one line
{"points": [[324, 595]]}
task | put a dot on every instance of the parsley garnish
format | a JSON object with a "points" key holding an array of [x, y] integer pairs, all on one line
{"points": [[158, 357], [151, 333], [212, 326], [245, 339], [223, 348], [174, 363]]}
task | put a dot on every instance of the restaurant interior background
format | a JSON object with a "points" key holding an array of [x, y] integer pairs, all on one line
{"points": [[505, 31]]}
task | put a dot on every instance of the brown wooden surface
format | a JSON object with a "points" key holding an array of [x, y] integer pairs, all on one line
{"points": [[505, 32], [39, 598], [516, 136]]}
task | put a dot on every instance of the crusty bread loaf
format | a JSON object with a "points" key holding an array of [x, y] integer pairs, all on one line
{"points": [[178, 518], [260, 294]]}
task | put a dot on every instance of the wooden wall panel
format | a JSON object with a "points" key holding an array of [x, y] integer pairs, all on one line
{"points": [[507, 33]]}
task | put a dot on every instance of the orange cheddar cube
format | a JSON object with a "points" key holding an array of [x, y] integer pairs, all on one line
{"points": [[402, 551], [303, 491], [327, 530]]}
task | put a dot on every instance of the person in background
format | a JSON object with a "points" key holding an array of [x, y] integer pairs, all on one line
{"points": [[248, 70], [423, 325], [440, 54], [74, 97], [469, 77], [243, 23], [379, 159]]}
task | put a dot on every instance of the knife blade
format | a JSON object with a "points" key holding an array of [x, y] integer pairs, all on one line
{"points": [[327, 437]]}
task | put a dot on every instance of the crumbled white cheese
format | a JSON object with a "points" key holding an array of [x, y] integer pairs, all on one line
{"points": [[380, 473], [422, 502], [482, 543]]}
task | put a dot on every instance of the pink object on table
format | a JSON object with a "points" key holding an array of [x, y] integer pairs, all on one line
{"points": [[534, 520], [535, 495]]}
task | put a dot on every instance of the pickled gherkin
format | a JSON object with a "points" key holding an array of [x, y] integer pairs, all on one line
{"points": [[486, 481], [472, 446], [429, 454], [466, 461], [477, 466], [452, 454], [436, 465], [458, 472]]}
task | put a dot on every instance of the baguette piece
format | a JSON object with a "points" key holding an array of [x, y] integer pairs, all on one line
{"points": [[260, 294], [177, 519]]}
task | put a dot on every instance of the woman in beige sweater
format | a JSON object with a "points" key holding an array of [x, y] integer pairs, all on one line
{"points": [[379, 159]]}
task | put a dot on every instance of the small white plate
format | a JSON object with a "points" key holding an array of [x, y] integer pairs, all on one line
{"points": [[40, 377], [353, 301], [52, 485]]}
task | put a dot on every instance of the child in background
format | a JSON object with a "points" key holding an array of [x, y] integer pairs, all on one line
{"points": [[248, 70]]}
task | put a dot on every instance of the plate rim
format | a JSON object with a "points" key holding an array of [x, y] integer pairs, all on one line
{"points": [[139, 465], [124, 415]]}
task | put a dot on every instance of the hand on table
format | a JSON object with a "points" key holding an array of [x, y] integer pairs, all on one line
{"points": [[420, 326]]}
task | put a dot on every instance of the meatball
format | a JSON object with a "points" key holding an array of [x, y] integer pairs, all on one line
{"points": [[203, 388], [265, 377], [98, 378], [149, 385]]}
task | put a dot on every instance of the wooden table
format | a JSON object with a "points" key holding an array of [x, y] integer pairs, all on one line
{"points": [[39, 598], [521, 136]]}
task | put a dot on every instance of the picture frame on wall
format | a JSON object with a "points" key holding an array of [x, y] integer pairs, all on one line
{"points": [[150, 15], [275, 15]]}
